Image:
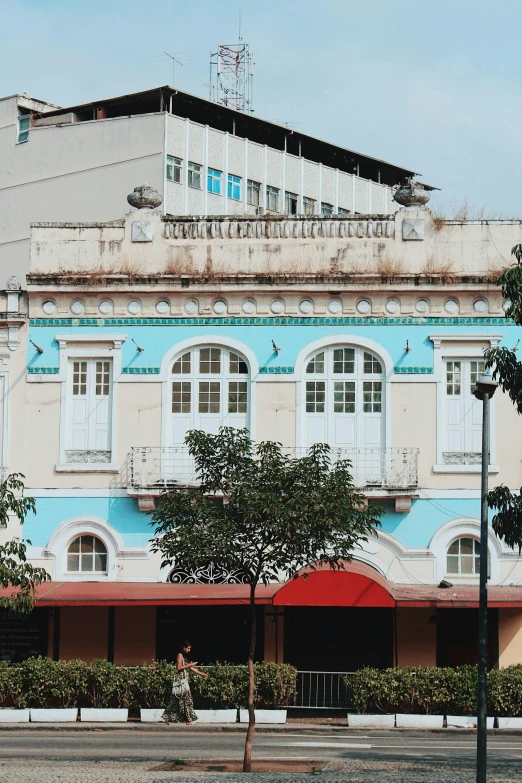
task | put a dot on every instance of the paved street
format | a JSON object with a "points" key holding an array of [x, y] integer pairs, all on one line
{"points": [[137, 757]]}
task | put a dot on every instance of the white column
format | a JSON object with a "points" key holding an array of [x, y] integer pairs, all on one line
{"points": [[300, 206], [245, 176], [283, 182], [336, 199], [225, 176], [164, 206], [185, 167], [319, 187], [353, 193], [369, 197], [265, 174], [205, 173]]}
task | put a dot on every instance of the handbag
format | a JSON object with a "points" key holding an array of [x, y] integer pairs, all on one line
{"points": [[179, 688]]}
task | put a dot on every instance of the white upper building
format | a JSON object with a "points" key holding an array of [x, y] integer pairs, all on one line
{"points": [[205, 159]]}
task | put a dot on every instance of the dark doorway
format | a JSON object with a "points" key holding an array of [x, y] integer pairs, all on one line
{"points": [[217, 633], [457, 637], [23, 636], [342, 639]]}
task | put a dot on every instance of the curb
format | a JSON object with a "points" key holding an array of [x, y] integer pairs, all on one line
{"points": [[239, 728]]}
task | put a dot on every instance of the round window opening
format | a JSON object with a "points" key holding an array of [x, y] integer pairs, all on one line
{"points": [[87, 555]]}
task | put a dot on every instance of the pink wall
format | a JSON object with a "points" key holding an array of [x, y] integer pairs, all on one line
{"points": [[134, 635], [84, 632]]}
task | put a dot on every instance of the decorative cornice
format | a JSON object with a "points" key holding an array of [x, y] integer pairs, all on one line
{"points": [[275, 321], [276, 370], [413, 370], [141, 371], [43, 370]]}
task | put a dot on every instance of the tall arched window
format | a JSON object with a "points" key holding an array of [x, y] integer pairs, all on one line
{"points": [[344, 398], [210, 388], [87, 555]]}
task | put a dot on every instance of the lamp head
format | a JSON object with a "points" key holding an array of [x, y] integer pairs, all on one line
{"points": [[485, 387]]}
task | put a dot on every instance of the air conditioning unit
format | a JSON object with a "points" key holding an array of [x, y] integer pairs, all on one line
{"points": [[260, 211]]}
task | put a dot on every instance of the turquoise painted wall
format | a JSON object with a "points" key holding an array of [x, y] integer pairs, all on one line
{"points": [[414, 529], [158, 335]]}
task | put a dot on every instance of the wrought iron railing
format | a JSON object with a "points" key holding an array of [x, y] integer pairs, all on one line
{"points": [[393, 469], [322, 691]]}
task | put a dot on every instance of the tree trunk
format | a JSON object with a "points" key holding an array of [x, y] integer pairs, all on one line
{"points": [[247, 760]]}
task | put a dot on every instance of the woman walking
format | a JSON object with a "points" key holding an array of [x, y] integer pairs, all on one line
{"points": [[180, 707]]}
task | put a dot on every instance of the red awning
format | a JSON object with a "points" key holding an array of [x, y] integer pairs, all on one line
{"points": [[146, 594], [358, 585]]}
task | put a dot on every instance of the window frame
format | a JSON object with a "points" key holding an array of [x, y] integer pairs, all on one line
{"points": [[271, 192], [341, 382], [254, 187], [74, 347], [233, 182], [21, 118], [214, 181], [84, 573], [292, 198], [206, 379], [308, 201], [326, 208], [468, 347], [177, 166], [194, 173]]}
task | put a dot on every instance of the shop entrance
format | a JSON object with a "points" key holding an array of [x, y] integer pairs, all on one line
{"points": [[457, 637], [217, 633], [338, 638]]}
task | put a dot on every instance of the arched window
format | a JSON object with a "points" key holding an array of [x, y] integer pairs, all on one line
{"points": [[209, 388], [87, 555], [464, 557], [344, 398]]}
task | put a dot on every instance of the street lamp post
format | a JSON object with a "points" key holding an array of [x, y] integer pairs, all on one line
{"points": [[484, 390]]}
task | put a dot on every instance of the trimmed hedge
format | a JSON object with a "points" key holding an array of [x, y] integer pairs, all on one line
{"points": [[41, 682], [435, 691]]}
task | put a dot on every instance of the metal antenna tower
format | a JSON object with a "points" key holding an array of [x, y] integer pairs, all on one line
{"points": [[232, 75]]}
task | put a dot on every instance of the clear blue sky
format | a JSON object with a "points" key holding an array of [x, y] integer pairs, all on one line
{"points": [[434, 85]]}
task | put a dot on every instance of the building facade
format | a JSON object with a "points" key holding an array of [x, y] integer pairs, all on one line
{"points": [[366, 332], [204, 159]]}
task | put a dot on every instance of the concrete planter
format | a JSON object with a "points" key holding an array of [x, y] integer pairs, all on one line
{"points": [[419, 721], [152, 715], [510, 723], [465, 722], [217, 716], [371, 721], [14, 716], [107, 715], [264, 716], [68, 715]]}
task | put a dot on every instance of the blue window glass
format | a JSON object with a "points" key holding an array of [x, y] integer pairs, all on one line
{"points": [[214, 181], [234, 187]]}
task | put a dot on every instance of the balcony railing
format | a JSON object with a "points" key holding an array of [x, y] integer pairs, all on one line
{"points": [[391, 470]]}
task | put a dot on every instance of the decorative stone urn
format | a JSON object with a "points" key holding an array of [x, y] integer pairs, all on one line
{"points": [[411, 194], [144, 197]]}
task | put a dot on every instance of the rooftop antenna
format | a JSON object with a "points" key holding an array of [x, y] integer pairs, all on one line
{"points": [[175, 62], [232, 75]]}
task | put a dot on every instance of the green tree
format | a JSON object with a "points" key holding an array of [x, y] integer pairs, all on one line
{"points": [[507, 371], [279, 515], [15, 572]]}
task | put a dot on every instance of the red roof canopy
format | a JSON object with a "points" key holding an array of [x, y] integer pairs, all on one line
{"points": [[146, 594], [359, 585]]}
